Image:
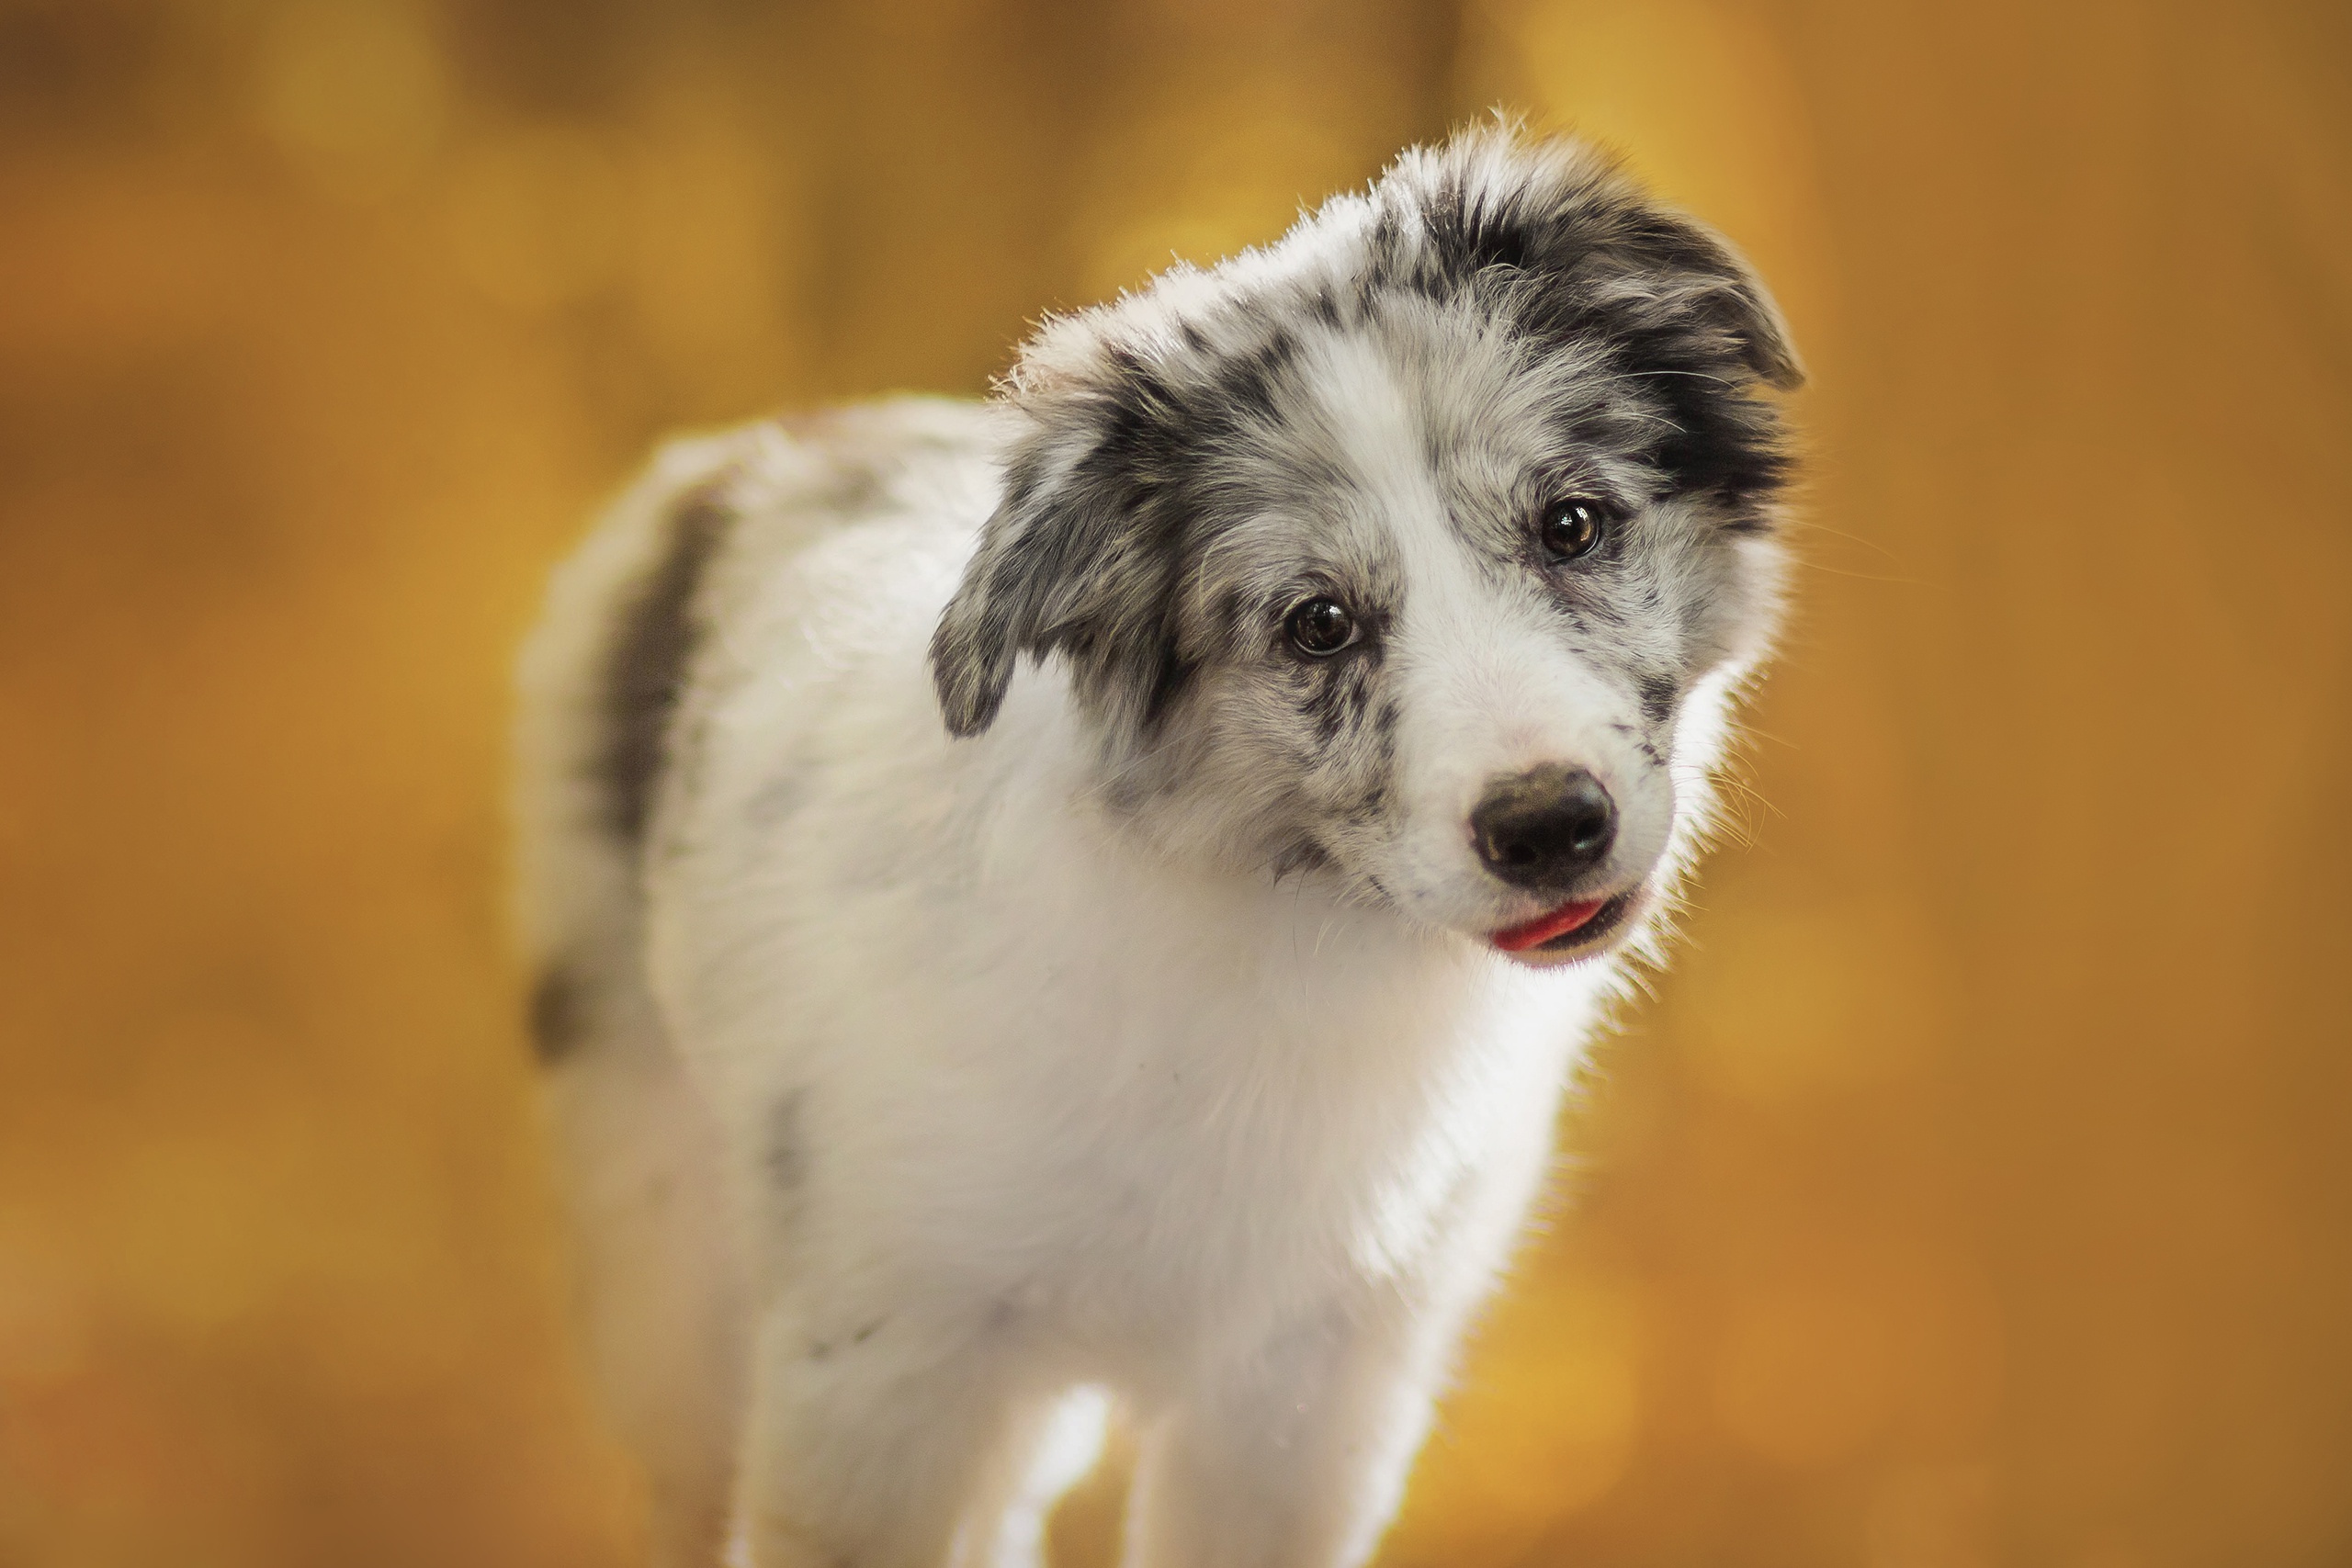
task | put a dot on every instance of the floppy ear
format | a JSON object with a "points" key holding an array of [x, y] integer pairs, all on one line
{"points": [[1594, 258], [993, 616], [1722, 292], [1688, 311], [1077, 559], [1585, 261], [972, 655]]}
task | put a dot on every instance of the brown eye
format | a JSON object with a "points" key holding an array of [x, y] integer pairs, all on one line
{"points": [[1572, 527], [1320, 628]]}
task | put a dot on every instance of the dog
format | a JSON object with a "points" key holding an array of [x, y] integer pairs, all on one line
{"points": [[1091, 898]]}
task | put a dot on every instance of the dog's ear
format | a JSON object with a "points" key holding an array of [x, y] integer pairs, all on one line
{"points": [[977, 642], [1007, 592], [1583, 259], [1592, 256], [1685, 313], [1076, 559], [1701, 277]]}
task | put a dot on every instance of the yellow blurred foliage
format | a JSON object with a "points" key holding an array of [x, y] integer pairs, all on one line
{"points": [[1973, 1191]]}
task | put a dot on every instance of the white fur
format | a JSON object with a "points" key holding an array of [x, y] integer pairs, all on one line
{"points": [[1242, 1154], [934, 1094]]}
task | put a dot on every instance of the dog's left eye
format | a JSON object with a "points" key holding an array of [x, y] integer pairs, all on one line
{"points": [[1320, 628], [1571, 527]]}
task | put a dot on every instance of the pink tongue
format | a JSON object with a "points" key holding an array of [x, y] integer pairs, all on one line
{"points": [[1543, 928]]}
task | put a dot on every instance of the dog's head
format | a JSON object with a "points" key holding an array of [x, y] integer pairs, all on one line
{"points": [[1421, 552]]}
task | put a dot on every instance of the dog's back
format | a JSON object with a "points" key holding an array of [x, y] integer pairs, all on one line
{"points": [[629, 619]]}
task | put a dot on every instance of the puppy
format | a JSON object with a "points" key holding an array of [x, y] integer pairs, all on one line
{"points": [[1102, 890]]}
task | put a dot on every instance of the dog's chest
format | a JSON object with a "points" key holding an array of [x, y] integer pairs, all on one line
{"points": [[1175, 1102], [1244, 1128]]}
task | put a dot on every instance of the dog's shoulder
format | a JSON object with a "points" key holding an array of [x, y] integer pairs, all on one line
{"points": [[713, 563], [854, 502]]}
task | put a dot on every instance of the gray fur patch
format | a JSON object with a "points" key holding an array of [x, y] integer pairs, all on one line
{"points": [[559, 1015], [786, 1154], [646, 670]]}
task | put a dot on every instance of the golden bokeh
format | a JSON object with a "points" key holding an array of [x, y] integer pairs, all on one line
{"points": [[1977, 1189]]}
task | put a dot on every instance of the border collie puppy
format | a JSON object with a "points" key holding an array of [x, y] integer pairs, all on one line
{"points": [[1093, 896]]}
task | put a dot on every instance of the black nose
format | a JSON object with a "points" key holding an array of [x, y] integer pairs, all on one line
{"points": [[1544, 827]]}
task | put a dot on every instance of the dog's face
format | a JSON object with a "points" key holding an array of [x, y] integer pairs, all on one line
{"points": [[1420, 553]]}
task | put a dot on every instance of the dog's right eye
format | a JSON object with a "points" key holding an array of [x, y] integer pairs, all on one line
{"points": [[1320, 628], [1571, 527]]}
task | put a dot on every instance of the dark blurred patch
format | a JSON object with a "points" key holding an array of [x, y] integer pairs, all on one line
{"points": [[79, 71], [651, 648], [559, 1016]]}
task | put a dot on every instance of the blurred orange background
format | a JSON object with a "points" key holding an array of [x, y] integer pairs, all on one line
{"points": [[1975, 1190]]}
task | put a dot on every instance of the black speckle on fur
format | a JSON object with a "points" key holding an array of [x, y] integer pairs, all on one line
{"points": [[1657, 694], [822, 1349], [1303, 853], [646, 670], [1640, 742], [1172, 679], [1338, 697], [559, 1016], [1250, 382], [787, 1151], [1469, 233]]}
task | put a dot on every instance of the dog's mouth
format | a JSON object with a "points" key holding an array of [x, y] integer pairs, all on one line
{"points": [[1574, 927]]}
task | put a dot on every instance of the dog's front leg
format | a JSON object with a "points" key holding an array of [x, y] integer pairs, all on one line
{"points": [[867, 1447], [1295, 1458]]}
